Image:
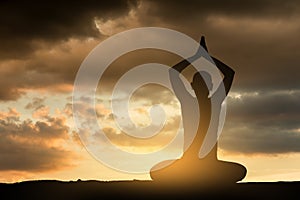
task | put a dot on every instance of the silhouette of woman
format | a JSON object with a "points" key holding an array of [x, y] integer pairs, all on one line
{"points": [[201, 84], [190, 167]]}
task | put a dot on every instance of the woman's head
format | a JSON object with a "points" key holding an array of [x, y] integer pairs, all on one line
{"points": [[202, 82]]}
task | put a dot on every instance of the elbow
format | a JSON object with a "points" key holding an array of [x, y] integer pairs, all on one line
{"points": [[231, 73]]}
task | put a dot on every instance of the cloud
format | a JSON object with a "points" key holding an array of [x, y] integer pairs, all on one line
{"points": [[238, 33], [33, 146], [68, 110], [194, 9], [88, 130], [263, 123], [36, 103], [45, 42], [12, 114], [276, 107], [41, 112], [24, 24], [154, 94], [59, 62], [124, 63], [241, 42], [161, 139], [42, 48], [251, 139]]}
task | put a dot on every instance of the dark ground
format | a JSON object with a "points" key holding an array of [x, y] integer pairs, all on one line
{"points": [[144, 190]]}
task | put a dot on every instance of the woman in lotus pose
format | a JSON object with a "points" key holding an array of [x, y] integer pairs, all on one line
{"points": [[190, 168]]}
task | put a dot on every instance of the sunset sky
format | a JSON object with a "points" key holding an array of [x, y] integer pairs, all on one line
{"points": [[42, 46]]}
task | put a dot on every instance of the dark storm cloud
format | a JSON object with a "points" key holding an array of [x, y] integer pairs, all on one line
{"points": [[261, 62], [263, 123], [17, 78], [25, 22], [259, 39], [266, 105], [264, 59], [180, 10], [251, 139], [51, 68]]}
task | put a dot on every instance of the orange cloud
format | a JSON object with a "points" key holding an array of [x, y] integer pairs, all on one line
{"points": [[29, 146]]}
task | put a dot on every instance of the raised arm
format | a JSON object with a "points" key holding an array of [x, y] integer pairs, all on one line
{"points": [[174, 72], [177, 84], [186, 62], [226, 70]]}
